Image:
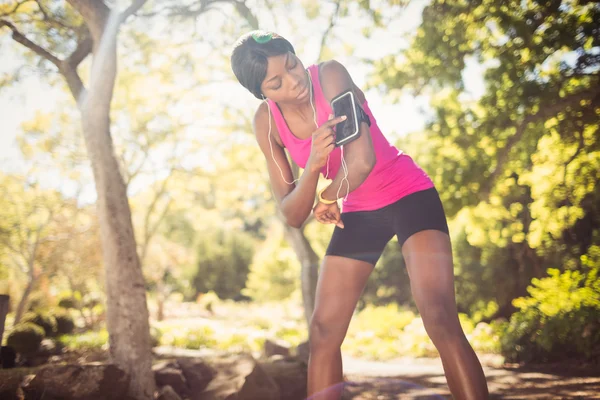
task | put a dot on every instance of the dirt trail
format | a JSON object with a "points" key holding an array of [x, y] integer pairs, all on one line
{"points": [[424, 379]]}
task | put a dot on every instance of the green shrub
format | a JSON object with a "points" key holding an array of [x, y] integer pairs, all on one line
{"points": [[25, 338], [85, 341], [290, 332], [485, 338], [65, 324], [155, 336], [189, 338], [384, 321], [223, 258], [44, 319], [559, 319], [38, 301], [274, 270], [239, 342], [208, 300], [67, 302]]}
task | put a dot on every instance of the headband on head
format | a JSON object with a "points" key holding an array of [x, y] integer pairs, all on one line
{"points": [[264, 37]]}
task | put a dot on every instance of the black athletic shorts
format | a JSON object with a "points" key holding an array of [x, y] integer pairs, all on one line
{"points": [[366, 233]]}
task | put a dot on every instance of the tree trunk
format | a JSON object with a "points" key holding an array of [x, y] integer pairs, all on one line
{"points": [[126, 311], [309, 262], [4, 299], [23, 302], [126, 308]]}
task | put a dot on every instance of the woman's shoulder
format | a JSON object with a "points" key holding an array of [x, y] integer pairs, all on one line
{"points": [[334, 78], [331, 67], [261, 121]]}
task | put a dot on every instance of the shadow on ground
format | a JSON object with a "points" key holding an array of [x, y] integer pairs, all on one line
{"points": [[533, 382]]}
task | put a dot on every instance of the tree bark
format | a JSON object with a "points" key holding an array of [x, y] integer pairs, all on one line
{"points": [[309, 262], [126, 309], [21, 307], [4, 299]]}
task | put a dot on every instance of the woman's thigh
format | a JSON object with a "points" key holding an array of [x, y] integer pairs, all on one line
{"points": [[340, 285]]}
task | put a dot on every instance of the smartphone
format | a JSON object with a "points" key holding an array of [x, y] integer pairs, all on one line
{"points": [[349, 129]]}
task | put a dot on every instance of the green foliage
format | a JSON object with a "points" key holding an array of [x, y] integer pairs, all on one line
{"points": [[25, 338], [239, 342], [559, 319], [516, 164], [188, 338], [91, 340], [155, 336], [65, 325], [388, 332], [67, 302], [45, 320], [224, 258], [275, 270], [38, 301]]}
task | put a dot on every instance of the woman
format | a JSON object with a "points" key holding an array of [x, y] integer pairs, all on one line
{"points": [[384, 193]]}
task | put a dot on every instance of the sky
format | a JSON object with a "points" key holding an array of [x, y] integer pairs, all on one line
{"points": [[20, 102]]}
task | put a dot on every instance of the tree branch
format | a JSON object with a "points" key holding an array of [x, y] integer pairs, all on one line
{"points": [[132, 9], [543, 113], [20, 38], [83, 49], [329, 28]]}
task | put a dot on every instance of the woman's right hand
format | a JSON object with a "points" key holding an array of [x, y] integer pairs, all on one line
{"points": [[323, 143]]}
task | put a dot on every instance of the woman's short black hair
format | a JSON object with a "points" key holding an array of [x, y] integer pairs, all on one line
{"points": [[249, 57]]}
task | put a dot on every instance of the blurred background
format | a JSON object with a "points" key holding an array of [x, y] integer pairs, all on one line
{"points": [[498, 101]]}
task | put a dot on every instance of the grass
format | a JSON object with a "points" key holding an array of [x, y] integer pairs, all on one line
{"points": [[375, 333]]}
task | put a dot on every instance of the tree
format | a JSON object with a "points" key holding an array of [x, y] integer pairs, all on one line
{"points": [[29, 217], [515, 167], [92, 27]]}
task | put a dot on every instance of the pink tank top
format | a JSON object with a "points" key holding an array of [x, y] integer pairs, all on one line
{"points": [[394, 176]]}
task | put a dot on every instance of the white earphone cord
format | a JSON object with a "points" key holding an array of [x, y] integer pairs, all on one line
{"points": [[343, 161]]}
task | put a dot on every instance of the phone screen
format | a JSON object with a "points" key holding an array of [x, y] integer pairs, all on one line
{"points": [[347, 130]]}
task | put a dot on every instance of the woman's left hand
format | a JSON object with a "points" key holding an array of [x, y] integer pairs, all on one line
{"points": [[328, 214]]}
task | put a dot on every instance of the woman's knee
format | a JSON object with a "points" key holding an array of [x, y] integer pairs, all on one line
{"points": [[325, 333], [441, 323]]}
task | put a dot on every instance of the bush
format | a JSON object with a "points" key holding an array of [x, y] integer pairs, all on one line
{"points": [[44, 319], [189, 338], [25, 338], [67, 302], [155, 336], [65, 324], [223, 258], [560, 319], [38, 301], [86, 341], [274, 270], [384, 321], [208, 300]]}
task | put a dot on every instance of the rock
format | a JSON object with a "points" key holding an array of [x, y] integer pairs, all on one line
{"points": [[170, 374], [36, 360], [290, 376], [302, 352], [272, 348], [8, 356], [167, 393], [11, 381], [48, 348], [78, 382], [240, 378], [197, 374]]}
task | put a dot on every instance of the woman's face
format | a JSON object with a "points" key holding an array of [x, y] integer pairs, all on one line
{"points": [[286, 80]]}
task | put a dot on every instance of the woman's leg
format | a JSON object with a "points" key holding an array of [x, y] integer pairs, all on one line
{"points": [[428, 256], [341, 282]]}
